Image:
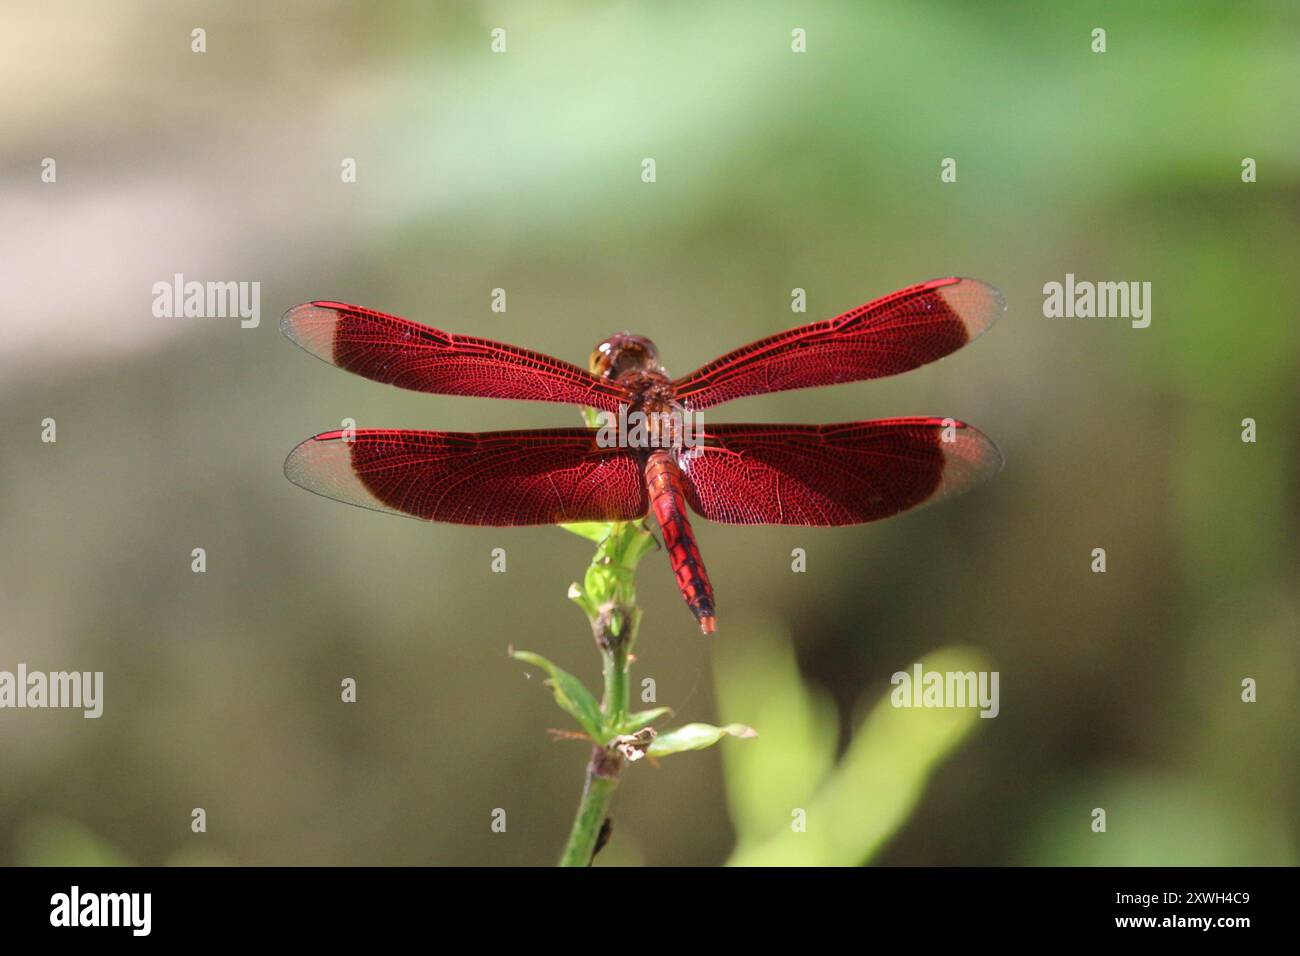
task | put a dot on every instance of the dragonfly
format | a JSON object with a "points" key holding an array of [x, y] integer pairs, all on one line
{"points": [[739, 474]]}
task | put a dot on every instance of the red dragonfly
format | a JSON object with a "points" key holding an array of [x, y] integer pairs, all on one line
{"points": [[810, 475]]}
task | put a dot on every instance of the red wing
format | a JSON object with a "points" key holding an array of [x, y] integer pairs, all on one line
{"points": [[834, 474], [400, 352], [545, 476], [884, 337]]}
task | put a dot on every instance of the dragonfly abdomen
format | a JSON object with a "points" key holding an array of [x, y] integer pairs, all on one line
{"points": [[668, 501]]}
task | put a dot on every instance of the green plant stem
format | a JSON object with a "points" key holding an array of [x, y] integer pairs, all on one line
{"points": [[615, 630], [597, 794], [616, 655], [608, 597]]}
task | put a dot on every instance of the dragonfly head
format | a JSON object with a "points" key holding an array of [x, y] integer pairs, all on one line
{"points": [[624, 352]]}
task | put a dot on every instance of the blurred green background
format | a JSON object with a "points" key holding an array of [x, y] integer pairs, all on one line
{"points": [[775, 170]]}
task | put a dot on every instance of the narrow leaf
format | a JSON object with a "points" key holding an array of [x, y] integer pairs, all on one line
{"points": [[635, 722], [879, 780], [696, 737], [759, 677], [572, 697], [641, 544], [579, 597]]}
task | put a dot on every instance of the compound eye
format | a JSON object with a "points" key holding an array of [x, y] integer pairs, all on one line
{"points": [[602, 358]]}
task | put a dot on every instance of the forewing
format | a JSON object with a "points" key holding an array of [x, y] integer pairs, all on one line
{"points": [[399, 352], [899, 332]]}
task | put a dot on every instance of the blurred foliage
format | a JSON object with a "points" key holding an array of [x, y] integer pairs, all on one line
{"points": [[775, 171], [49, 841], [1167, 819], [54, 841], [849, 808]]}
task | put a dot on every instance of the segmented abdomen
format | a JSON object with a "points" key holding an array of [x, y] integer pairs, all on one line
{"points": [[668, 500]]}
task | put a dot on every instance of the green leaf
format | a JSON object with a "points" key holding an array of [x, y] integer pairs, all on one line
{"points": [[635, 722], [759, 677], [610, 578], [579, 597], [57, 841], [572, 697], [600, 582], [696, 737], [640, 543], [596, 531], [874, 788]]}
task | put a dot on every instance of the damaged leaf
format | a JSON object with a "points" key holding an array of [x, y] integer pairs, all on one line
{"points": [[634, 746]]}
